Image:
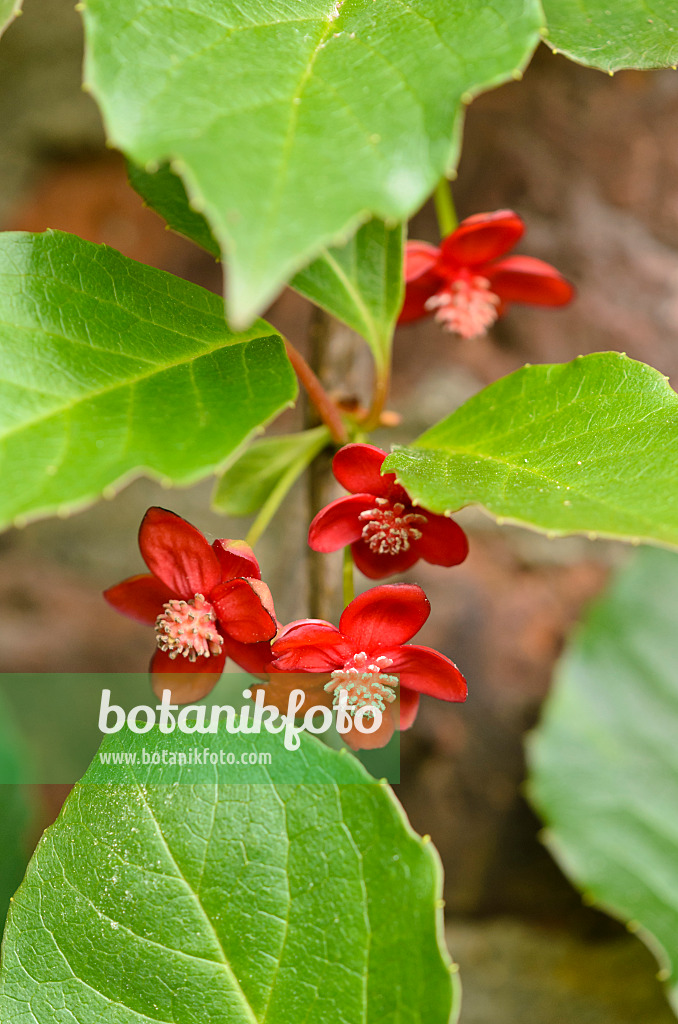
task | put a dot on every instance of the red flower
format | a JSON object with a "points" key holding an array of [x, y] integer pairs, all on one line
{"points": [[386, 532], [203, 600], [467, 286], [369, 657]]}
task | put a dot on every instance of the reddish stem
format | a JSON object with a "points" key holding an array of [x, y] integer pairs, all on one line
{"points": [[328, 410]]}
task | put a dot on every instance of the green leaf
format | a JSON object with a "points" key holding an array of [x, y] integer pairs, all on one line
{"points": [[109, 369], [291, 124], [267, 470], [361, 284], [15, 809], [240, 903], [604, 764], [614, 35], [589, 446], [9, 10], [164, 192]]}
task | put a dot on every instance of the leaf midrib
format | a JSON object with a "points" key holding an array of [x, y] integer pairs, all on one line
{"points": [[158, 369], [223, 961]]}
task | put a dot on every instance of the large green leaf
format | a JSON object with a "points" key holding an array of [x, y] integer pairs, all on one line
{"points": [[588, 446], [614, 34], [604, 759], [361, 284], [9, 9], [237, 903], [109, 368], [291, 123]]}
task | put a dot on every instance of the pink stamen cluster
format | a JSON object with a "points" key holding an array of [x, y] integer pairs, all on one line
{"points": [[387, 531], [185, 628], [466, 307], [365, 682]]}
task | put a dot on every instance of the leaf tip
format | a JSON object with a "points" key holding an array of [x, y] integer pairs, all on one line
{"points": [[663, 974], [425, 840]]}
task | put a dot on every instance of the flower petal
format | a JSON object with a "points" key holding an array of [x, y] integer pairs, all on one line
{"points": [[140, 597], [310, 645], [245, 610], [420, 259], [421, 280], [442, 541], [376, 566], [187, 681], [357, 467], [236, 558], [526, 279], [385, 616], [338, 524], [254, 658], [357, 740], [409, 705], [178, 554], [427, 671], [481, 238], [279, 685]]}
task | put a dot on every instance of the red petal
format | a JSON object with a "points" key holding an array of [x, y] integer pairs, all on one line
{"points": [[409, 705], [141, 597], [385, 616], [378, 567], [357, 467], [420, 259], [338, 524], [236, 558], [245, 610], [421, 280], [187, 681], [525, 279], [279, 685], [481, 238], [427, 671], [310, 645], [442, 541], [178, 554], [254, 658], [370, 741]]}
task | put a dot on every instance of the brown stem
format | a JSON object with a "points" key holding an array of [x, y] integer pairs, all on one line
{"points": [[381, 389], [327, 409]]}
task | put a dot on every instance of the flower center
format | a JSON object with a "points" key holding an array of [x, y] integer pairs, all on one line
{"points": [[365, 682], [186, 628], [466, 307], [387, 530]]}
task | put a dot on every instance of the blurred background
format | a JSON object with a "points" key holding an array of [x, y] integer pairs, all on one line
{"points": [[591, 163]]}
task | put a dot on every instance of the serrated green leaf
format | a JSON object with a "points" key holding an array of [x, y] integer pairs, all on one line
{"points": [[267, 469], [110, 369], [9, 9], [614, 35], [290, 125], [589, 446], [239, 903], [604, 768], [361, 284]]}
